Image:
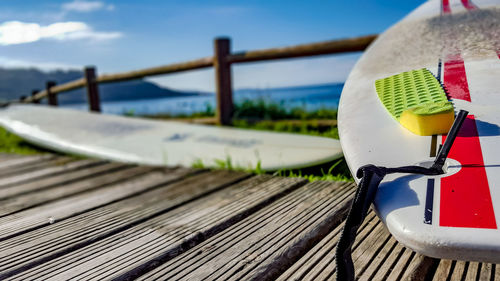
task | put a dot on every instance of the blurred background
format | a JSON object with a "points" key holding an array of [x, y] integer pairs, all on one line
{"points": [[54, 40]]}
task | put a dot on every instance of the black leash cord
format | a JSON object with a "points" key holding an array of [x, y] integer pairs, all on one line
{"points": [[371, 176]]}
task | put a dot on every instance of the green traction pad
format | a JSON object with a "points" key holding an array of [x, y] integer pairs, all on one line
{"points": [[418, 90], [431, 108]]}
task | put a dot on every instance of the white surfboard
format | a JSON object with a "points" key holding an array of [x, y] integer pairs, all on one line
{"points": [[152, 142], [455, 215]]}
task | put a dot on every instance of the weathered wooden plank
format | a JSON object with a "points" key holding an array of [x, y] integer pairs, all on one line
{"points": [[167, 234], [267, 242], [9, 156], [53, 168], [460, 270], [365, 252], [378, 260], [164, 236], [376, 256], [305, 238], [94, 179], [486, 272], [401, 265], [421, 268], [6, 157], [62, 237], [13, 162], [319, 257], [463, 270], [58, 179], [369, 249], [22, 170], [43, 215], [326, 270], [444, 270], [324, 255], [377, 251], [472, 271], [390, 263]]}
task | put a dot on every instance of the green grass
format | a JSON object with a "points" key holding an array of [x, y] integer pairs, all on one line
{"points": [[227, 164], [268, 110], [10, 143], [335, 171], [256, 109], [306, 128]]}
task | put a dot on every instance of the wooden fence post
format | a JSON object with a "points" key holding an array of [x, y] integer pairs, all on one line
{"points": [[33, 93], [92, 89], [223, 87], [50, 95]]}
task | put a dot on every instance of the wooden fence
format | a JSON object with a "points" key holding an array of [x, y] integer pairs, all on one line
{"points": [[221, 61]]}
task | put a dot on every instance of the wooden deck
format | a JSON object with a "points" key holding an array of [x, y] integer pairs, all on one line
{"points": [[63, 218]]}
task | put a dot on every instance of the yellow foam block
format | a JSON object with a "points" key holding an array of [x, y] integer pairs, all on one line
{"points": [[428, 119]]}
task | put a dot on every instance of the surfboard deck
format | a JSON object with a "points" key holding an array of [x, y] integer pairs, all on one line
{"points": [[455, 215], [150, 142]]}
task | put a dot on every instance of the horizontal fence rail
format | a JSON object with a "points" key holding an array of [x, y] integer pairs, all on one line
{"points": [[221, 61], [72, 85], [165, 69], [304, 50]]}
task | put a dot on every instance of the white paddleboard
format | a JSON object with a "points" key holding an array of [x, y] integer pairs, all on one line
{"points": [[161, 143], [455, 215]]}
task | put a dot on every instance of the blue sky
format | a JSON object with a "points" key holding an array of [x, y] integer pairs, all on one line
{"points": [[125, 35]]}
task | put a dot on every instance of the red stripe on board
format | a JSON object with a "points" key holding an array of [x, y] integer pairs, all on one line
{"points": [[446, 7], [465, 196], [455, 79], [468, 5]]}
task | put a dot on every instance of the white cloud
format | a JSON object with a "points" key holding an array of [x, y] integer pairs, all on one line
{"points": [[6, 62], [86, 6], [16, 32]]}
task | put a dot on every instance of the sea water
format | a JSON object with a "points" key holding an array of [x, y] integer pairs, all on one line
{"points": [[309, 98]]}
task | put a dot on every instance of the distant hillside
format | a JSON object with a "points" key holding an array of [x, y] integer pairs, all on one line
{"points": [[17, 82]]}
